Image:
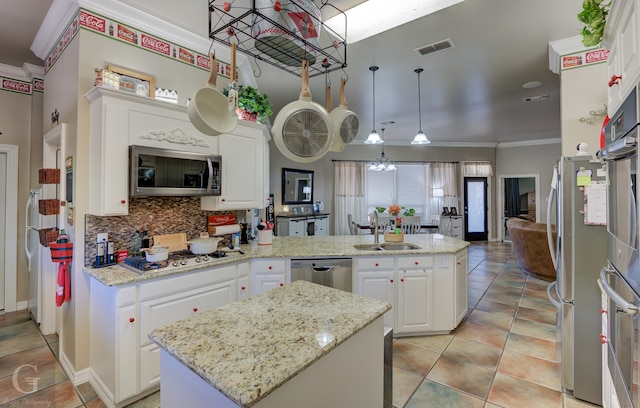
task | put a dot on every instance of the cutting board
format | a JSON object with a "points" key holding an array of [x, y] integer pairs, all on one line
{"points": [[175, 242]]}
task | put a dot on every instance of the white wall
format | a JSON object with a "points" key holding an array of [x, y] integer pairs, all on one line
{"points": [[582, 90]]}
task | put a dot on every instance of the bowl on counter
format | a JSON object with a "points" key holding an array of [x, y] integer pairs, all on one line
{"points": [[199, 246]]}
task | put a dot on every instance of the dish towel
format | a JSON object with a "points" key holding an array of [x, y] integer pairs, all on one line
{"points": [[63, 285]]}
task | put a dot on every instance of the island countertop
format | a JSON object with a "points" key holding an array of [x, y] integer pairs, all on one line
{"points": [[290, 247], [248, 349]]}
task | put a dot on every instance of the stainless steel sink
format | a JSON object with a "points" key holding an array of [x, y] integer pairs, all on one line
{"points": [[387, 246]]}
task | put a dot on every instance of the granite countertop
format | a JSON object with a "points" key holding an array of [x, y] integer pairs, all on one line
{"points": [[289, 247], [303, 215], [247, 349]]}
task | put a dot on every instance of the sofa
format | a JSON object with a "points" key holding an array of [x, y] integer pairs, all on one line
{"points": [[530, 245]]}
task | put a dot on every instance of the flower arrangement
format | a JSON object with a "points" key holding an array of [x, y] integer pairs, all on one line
{"points": [[408, 212], [253, 102], [394, 209]]}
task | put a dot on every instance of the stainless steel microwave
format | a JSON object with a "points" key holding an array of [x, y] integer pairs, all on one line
{"points": [[163, 172]]}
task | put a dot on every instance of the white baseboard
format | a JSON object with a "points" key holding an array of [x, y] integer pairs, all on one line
{"points": [[22, 305], [76, 377], [101, 389]]}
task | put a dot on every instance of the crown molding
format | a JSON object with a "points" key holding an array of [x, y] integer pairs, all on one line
{"points": [[52, 27], [557, 49], [538, 142], [25, 73]]}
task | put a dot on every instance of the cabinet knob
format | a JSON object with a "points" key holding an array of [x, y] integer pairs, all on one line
{"points": [[123, 201], [391, 280], [614, 80], [282, 284], [602, 311], [417, 263], [603, 339], [195, 309], [242, 288], [401, 279], [223, 200], [270, 267], [131, 320], [458, 263], [377, 264], [602, 335]]}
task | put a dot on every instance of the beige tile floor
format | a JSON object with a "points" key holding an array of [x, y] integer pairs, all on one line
{"points": [[504, 354]]}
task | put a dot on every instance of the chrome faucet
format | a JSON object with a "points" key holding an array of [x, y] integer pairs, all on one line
{"points": [[374, 225]]}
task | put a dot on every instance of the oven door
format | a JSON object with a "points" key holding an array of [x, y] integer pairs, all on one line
{"points": [[622, 334]]}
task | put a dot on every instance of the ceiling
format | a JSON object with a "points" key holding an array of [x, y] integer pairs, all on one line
{"points": [[470, 94]]}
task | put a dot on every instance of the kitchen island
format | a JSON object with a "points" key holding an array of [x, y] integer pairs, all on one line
{"points": [[302, 345]]}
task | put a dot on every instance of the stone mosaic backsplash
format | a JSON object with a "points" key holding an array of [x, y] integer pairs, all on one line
{"points": [[158, 215]]}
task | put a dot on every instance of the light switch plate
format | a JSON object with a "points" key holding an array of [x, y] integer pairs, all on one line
{"points": [[103, 237]]}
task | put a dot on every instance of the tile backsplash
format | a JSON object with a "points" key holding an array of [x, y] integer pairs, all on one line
{"points": [[158, 215]]}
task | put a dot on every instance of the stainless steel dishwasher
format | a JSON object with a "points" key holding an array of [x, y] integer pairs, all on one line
{"points": [[332, 272]]}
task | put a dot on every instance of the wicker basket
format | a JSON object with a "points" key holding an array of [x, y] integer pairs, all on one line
{"points": [[391, 237], [49, 176], [47, 207], [48, 235]]}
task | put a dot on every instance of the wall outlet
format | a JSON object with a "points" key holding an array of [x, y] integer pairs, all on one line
{"points": [[103, 237]]}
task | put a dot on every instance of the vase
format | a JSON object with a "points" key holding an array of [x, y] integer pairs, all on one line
{"points": [[246, 115]]}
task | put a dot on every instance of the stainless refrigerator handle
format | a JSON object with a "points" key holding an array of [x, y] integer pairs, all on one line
{"points": [[552, 192], [552, 288], [626, 307], [634, 221]]}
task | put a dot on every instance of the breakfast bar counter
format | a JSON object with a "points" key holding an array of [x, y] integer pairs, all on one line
{"points": [[299, 345]]}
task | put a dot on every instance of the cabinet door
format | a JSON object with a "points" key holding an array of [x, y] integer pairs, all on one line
{"points": [[127, 353], [149, 366], [242, 170], [379, 285], [414, 303], [460, 288], [297, 228], [244, 288], [263, 282], [322, 226], [444, 297]]}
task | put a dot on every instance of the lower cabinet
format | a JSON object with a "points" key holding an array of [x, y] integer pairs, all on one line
{"points": [[425, 291], [268, 274], [125, 364]]}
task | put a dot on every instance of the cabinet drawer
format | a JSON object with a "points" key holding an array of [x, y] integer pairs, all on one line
{"points": [[186, 281], [268, 265], [375, 263], [415, 262], [126, 295], [149, 366]]}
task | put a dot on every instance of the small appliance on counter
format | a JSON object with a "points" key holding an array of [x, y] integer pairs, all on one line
{"points": [[106, 254]]}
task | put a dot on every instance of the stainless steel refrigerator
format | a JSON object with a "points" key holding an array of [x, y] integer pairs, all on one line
{"points": [[578, 253]]}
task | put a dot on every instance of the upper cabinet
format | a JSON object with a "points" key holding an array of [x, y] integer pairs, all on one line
{"points": [[621, 38], [119, 120], [243, 169]]}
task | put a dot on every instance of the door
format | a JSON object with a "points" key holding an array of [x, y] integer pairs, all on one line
{"points": [[475, 209]]}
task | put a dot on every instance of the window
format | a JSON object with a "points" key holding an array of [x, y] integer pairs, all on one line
{"points": [[406, 187]]}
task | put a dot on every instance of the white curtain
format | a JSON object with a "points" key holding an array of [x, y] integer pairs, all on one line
{"points": [[349, 197], [445, 181], [477, 169]]}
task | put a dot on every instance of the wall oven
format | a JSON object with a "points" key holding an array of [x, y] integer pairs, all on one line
{"points": [[163, 172], [620, 279]]}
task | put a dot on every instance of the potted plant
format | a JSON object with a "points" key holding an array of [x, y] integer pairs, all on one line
{"points": [[594, 16], [252, 105]]}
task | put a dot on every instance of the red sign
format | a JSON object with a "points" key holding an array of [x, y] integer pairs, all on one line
{"points": [[185, 55], [17, 86], [218, 220], [93, 22], [596, 56], [571, 61], [127, 35], [155, 44], [38, 85], [203, 62]]}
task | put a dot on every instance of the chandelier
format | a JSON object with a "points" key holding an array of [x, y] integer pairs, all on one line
{"points": [[420, 138], [374, 137], [383, 164]]}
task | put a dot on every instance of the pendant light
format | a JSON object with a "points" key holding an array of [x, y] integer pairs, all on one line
{"points": [[374, 137], [383, 164], [420, 137]]}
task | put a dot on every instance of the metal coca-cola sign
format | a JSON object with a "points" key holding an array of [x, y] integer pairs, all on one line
{"points": [[596, 56], [93, 22], [155, 44], [125, 34], [185, 55], [16, 86], [38, 85], [203, 62]]}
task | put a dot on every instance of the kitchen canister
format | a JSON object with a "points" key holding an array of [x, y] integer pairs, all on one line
{"points": [[297, 20], [265, 237]]}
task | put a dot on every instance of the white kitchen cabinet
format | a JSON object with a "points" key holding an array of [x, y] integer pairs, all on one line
{"points": [[244, 280], [125, 365], [622, 39], [376, 278], [415, 294], [243, 168], [302, 226], [425, 291], [322, 225], [267, 274]]}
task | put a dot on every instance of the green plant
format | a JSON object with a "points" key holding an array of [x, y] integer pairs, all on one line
{"points": [[408, 212], [594, 16], [380, 210], [251, 100]]}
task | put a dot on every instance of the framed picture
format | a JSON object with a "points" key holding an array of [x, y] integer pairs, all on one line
{"points": [[445, 211], [135, 82], [453, 211]]}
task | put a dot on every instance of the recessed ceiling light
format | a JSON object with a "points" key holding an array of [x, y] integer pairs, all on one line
{"points": [[531, 84], [376, 16]]}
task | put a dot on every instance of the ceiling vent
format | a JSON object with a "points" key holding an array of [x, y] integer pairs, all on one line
{"points": [[535, 98], [435, 47]]}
